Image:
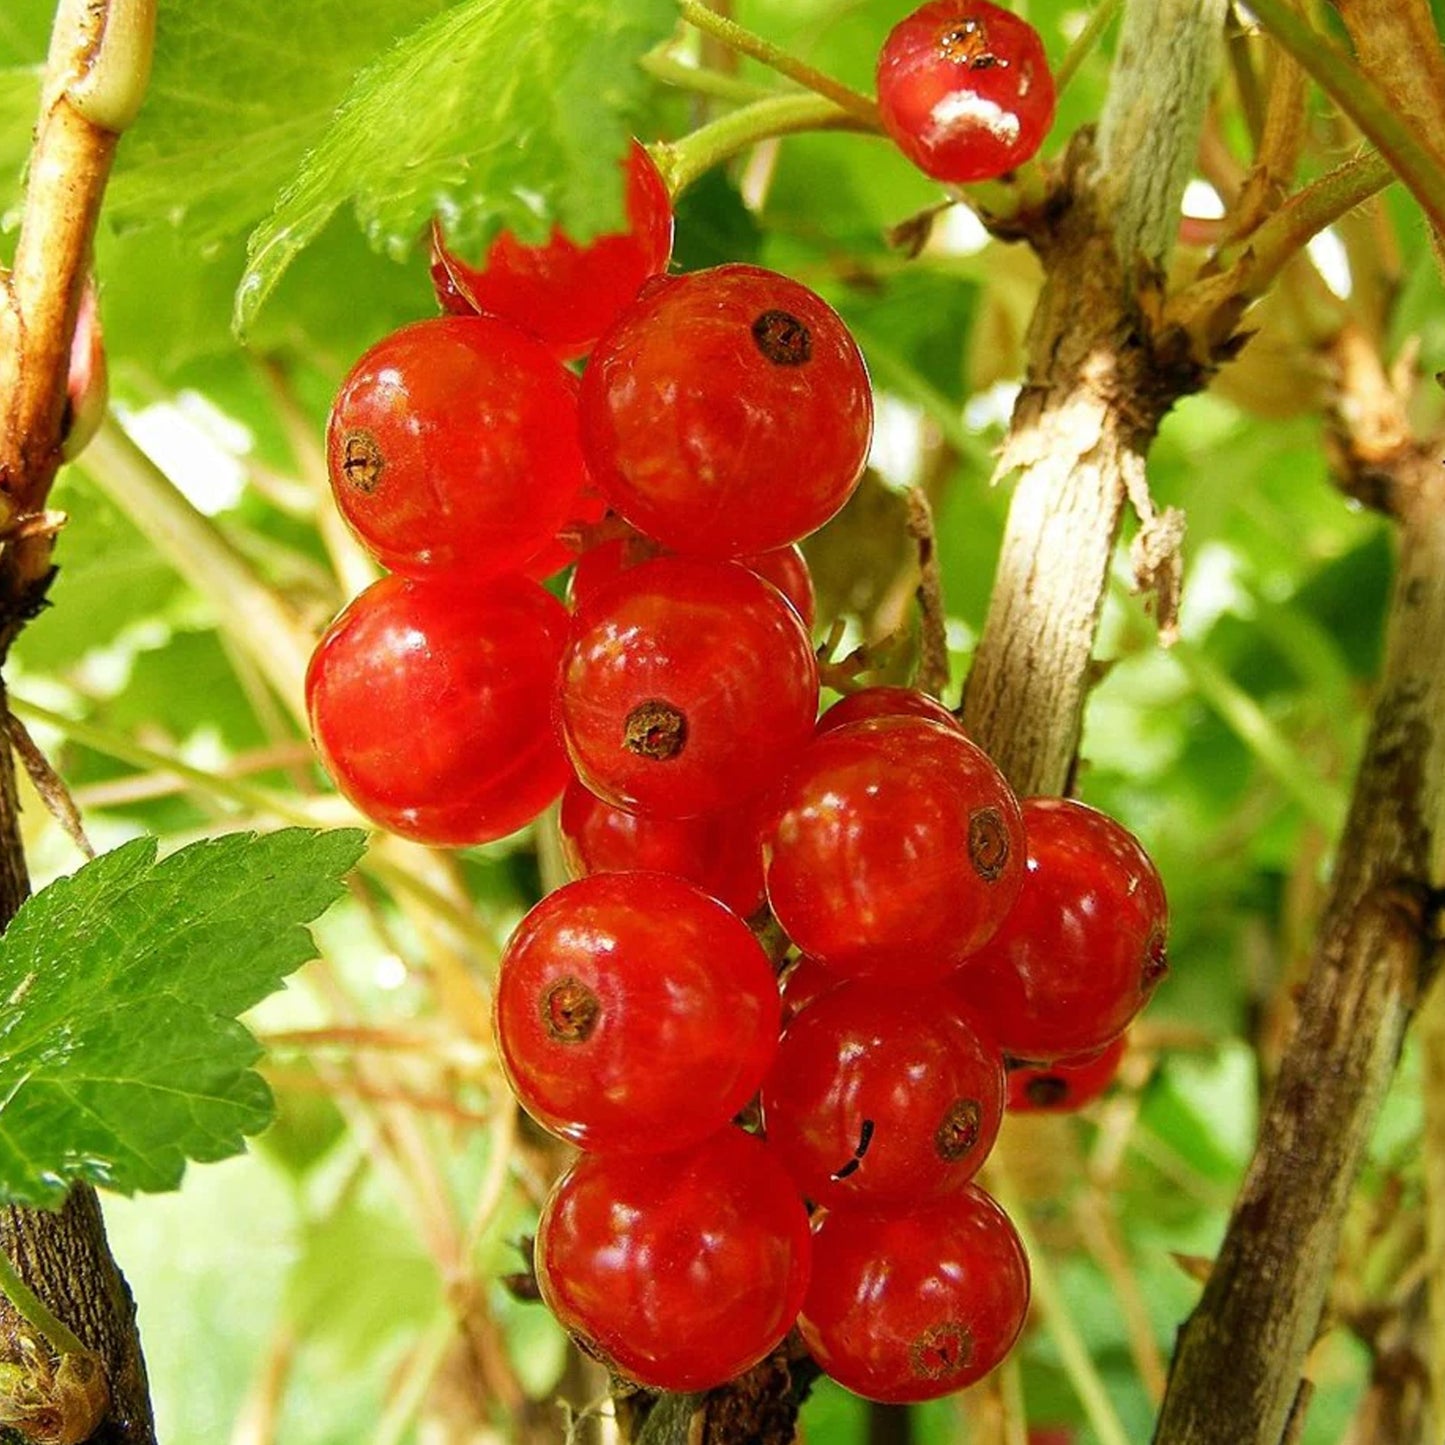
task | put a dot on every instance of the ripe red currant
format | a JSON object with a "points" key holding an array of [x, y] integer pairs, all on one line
{"points": [[686, 687], [805, 982], [430, 706], [910, 1303], [898, 849], [727, 413], [965, 90], [1063, 1087], [565, 294], [870, 702], [1084, 946], [452, 447], [680, 1271], [721, 852], [634, 1013], [882, 1095]]}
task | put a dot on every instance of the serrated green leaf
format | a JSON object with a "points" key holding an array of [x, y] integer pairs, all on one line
{"points": [[505, 114], [120, 1054], [239, 92]]}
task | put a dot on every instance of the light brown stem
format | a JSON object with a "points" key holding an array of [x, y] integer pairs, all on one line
{"points": [[1237, 1368]]}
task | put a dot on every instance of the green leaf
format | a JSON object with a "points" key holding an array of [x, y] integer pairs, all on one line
{"points": [[239, 92], [503, 113], [120, 1054]]}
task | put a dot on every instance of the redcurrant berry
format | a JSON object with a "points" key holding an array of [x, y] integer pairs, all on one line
{"points": [[430, 706], [721, 853], [1084, 946], [679, 1271], [964, 89], [881, 1095], [1063, 1087], [565, 294], [912, 1303], [453, 447], [727, 413], [870, 702], [805, 982], [634, 1013], [687, 686], [898, 848]]}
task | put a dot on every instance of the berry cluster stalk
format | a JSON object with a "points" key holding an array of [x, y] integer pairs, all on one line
{"points": [[97, 74]]}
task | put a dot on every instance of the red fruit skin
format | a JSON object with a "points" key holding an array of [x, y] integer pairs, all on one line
{"points": [[587, 510], [452, 447], [1084, 947], [912, 1303], [785, 568], [883, 1096], [430, 706], [702, 438], [805, 982], [1064, 1087], [679, 1271], [871, 702], [899, 849], [720, 853], [634, 1013], [564, 294], [713, 644], [965, 90]]}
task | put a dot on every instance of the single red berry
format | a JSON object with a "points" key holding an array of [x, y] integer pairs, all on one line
{"points": [[727, 413], [565, 294], [965, 90], [911, 1303], [898, 849], [634, 1013], [452, 447], [1063, 1087], [721, 853], [679, 1271], [871, 702], [883, 1095], [430, 706], [785, 568], [686, 688], [1082, 950]]}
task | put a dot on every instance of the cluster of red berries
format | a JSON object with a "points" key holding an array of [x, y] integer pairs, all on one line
{"points": [[938, 927], [934, 924]]}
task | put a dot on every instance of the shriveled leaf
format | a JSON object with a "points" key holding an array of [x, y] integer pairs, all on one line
{"points": [[120, 1054], [498, 113]]}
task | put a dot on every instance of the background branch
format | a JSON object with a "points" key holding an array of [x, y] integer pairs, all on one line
{"points": [[97, 71], [1237, 1367]]}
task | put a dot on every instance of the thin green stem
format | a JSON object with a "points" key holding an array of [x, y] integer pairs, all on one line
{"points": [[264, 802], [247, 795], [1079, 51], [1363, 101], [683, 161], [1073, 1353], [863, 108], [667, 68], [35, 1312], [1308, 212], [1319, 800], [246, 607]]}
